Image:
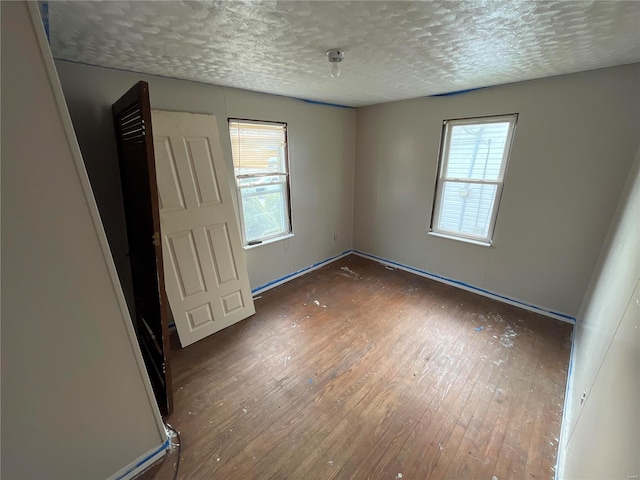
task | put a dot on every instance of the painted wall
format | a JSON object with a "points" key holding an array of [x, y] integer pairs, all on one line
{"points": [[75, 401], [573, 148], [601, 435], [321, 151]]}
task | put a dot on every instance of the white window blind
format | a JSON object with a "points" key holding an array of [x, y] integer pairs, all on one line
{"points": [[258, 147], [472, 165]]}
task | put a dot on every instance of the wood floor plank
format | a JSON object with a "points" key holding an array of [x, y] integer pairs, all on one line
{"points": [[361, 371]]}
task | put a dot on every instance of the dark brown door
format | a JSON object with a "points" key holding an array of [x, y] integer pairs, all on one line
{"points": [[134, 137]]}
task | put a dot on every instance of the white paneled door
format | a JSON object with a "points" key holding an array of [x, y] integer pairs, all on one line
{"points": [[205, 272]]}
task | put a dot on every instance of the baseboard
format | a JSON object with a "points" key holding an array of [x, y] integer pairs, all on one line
{"points": [[143, 462], [566, 418], [286, 278], [471, 288], [455, 283], [299, 273]]}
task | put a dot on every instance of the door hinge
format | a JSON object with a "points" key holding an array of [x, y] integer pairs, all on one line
{"points": [[156, 239]]}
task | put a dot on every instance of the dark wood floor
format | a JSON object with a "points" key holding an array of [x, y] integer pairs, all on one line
{"points": [[359, 371]]}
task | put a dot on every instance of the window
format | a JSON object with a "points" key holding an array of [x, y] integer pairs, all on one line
{"points": [[473, 161], [261, 169]]}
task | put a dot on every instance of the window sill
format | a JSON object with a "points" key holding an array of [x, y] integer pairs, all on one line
{"points": [[460, 239], [269, 241]]}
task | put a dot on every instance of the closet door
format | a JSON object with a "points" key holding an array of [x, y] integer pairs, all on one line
{"points": [[207, 278], [132, 122]]}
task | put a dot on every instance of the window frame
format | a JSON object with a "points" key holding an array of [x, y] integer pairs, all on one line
{"points": [[246, 244], [441, 179]]}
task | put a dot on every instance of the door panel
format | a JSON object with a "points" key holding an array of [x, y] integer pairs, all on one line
{"points": [[207, 279], [169, 188], [204, 177], [222, 253], [186, 264]]}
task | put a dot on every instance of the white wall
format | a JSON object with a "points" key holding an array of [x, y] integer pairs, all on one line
{"points": [[75, 402], [601, 436], [321, 151], [573, 148]]}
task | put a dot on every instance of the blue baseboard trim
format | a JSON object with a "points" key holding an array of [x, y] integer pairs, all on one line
{"points": [[291, 276], [456, 283], [143, 462], [472, 288]]}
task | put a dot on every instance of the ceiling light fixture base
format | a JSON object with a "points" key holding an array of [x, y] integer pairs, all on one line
{"points": [[335, 55]]}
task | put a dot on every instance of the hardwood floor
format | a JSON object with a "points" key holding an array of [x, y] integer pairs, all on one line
{"points": [[359, 371]]}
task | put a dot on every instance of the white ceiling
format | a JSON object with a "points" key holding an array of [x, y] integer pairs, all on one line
{"points": [[394, 49]]}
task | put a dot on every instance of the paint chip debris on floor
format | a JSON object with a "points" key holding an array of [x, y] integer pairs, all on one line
{"points": [[348, 349], [349, 273]]}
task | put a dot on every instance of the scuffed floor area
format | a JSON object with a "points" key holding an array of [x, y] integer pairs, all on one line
{"points": [[361, 371]]}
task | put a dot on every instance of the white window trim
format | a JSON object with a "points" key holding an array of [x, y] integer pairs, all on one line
{"points": [[461, 239], [248, 245], [269, 241], [443, 158]]}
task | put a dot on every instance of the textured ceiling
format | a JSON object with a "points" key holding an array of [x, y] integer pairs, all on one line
{"points": [[394, 49]]}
